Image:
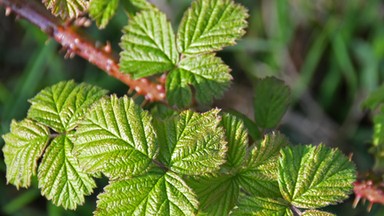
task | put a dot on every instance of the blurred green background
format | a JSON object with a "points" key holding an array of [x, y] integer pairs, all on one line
{"points": [[330, 52]]}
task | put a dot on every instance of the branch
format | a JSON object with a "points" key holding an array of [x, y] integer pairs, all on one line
{"points": [[77, 44]]}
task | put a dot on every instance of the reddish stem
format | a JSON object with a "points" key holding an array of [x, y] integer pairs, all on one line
{"points": [[77, 44]]}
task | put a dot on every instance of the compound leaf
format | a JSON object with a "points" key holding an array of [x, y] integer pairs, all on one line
{"points": [[62, 105], [66, 8], [155, 193], [192, 143], [262, 207], [102, 11], [24, 145], [148, 45], [60, 176], [271, 100], [314, 176], [210, 25], [208, 75], [116, 137], [237, 138], [217, 194], [259, 176]]}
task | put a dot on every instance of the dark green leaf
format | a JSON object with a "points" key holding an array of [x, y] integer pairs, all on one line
{"points": [[271, 100]]}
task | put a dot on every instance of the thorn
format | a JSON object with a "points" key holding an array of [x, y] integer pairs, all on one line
{"points": [[143, 103], [350, 156], [356, 201], [130, 91], [8, 11], [107, 48], [370, 207]]}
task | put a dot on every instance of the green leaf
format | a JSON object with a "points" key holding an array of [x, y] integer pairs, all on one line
{"points": [[378, 134], [148, 45], [315, 176], [102, 11], [116, 137], [259, 176], [207, 74], [317, 213], [375, 98], [60, 176], [66, 9], [193, 143], [262, 207], [271, 100], [217, 194], [210, 25], [152, 194], [237, 138], [24, 145], [251, 126], [62, 105]]}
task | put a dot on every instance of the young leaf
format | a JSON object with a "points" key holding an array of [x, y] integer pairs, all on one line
{"points": [[60, 177], [262, 207], [237, 138], [259, 176], [314, 176], [217, 194], [62, 105], [24, 145], [208, 75], [152, 194], [102, 11], [66, 9], [317, 213], [192, 144], [116, 137], [148, 45], [210, 25], [271, 100]]}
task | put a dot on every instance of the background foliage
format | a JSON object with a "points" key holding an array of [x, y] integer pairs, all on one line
{"points": [[330, 53]]}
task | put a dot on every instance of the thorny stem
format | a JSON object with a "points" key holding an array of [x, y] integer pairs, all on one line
{"points": [[77, 44]]}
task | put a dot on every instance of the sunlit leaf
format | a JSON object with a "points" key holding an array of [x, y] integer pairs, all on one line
{"points": [[210, 25], [192, 143], [62, 105], [148, 45], [24, 145], [116, 137], [66, 8], [259, 206], [315, 176], [155, 193], [60, 177], [102, 11]]}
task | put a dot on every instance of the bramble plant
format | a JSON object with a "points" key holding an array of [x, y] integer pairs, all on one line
{"points": [[171, 159]]}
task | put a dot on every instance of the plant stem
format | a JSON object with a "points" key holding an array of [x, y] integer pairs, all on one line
{"points": [[80, 45]]}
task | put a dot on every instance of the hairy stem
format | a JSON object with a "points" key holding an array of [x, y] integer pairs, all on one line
{"points": [[80, 45]]}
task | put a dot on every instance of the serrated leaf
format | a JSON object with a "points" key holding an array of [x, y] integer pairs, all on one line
{"points": [[314, 176], [60, 176], [207, 74], [217, 194], [116, 137], [317, 213], [102, 11], [210, 25], [237, 138], [152, 194], [193, 143], [271, 100], [62, 105], [24, 145], [148, 45], [251, 126], [66, 9], [259, 175], [262, 207]]}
